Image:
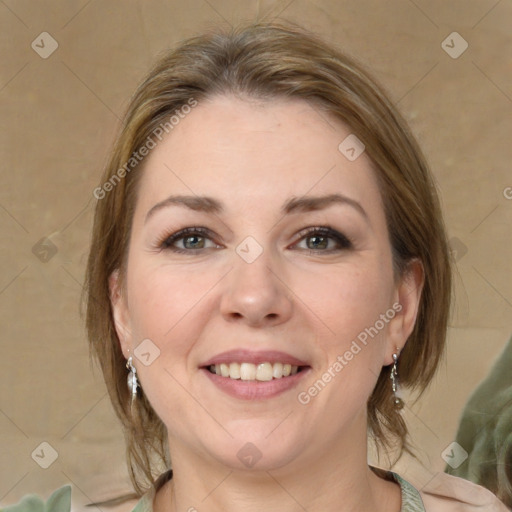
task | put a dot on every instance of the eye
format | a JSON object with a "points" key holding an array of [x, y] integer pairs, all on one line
{"points": [[189, 240], [323, 239]]}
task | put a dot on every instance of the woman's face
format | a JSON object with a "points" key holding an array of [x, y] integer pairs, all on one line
{"points": [[257, 246]]}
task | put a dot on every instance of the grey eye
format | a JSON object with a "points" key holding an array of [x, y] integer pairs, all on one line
{"points": [[193, 242], [317, 242]]}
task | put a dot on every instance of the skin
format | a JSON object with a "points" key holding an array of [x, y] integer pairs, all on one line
{"points": [[299, 296]]}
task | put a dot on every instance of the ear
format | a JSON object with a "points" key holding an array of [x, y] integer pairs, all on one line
{"points": [[406, 304], [120, 312]]}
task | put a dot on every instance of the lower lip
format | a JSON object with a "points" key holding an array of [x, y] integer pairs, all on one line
{"points": [[255, 389]]}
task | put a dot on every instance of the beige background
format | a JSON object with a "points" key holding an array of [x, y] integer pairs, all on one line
{"points": [[59, 115]]}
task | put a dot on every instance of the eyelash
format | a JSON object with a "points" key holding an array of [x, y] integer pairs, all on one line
{"points": [[168, 241], [343, 242]]}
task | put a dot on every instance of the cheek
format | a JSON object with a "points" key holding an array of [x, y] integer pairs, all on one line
{"points": [[165, 304], [161, 298], [352, 347], [348, 301], [167, 307]]}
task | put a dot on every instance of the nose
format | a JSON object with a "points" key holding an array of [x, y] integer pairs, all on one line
{"points": [[256, 294]]}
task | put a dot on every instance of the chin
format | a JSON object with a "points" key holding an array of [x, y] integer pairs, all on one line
{"points": [[256, 450]]}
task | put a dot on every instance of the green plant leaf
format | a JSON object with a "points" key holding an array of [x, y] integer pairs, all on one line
{"points": [[59, 501]]}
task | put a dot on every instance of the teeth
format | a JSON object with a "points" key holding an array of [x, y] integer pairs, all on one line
{"points": [[248, 371], [234, 371], [264, 372], [224, 370], [277, 370]]}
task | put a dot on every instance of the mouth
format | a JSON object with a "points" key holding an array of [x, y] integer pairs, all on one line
{"points": [[250, 375], [262, 372]]}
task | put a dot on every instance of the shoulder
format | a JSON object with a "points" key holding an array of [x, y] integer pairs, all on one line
{"points": [[152, 500], [447, 493]]}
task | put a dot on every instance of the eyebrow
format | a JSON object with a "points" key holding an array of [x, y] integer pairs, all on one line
{"points": [[293, 205], [309, 204], [196, 203]]}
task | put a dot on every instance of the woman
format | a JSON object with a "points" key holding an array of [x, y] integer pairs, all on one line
{"points": [[268, 250]]}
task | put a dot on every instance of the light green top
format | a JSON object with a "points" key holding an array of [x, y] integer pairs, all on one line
{"points": [[60, 500], [411, 499]]}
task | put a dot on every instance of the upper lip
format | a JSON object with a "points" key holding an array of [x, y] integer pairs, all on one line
{"points": [[254, 357]]}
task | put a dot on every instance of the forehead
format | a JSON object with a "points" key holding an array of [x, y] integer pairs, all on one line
{"points": [[257, 152]]}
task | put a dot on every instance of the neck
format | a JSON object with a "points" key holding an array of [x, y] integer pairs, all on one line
{"points": [[338, 479]]}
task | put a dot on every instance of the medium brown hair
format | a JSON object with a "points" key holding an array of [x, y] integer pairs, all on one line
{"points": [[268, 61]]}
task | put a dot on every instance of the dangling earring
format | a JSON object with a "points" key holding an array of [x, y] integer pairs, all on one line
{"points": [[397, 401], [132, 380]]}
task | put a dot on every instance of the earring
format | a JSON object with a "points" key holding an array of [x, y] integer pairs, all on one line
{"points": [[397, 401], [132, 380]]}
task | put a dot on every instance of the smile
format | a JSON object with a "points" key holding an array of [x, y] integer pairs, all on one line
{"points": [[257, 372]]}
